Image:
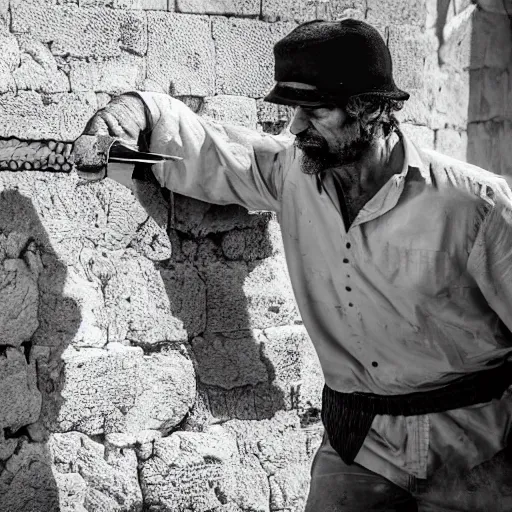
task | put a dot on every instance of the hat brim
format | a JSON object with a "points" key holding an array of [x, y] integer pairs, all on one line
{"points": [[284, 95]]}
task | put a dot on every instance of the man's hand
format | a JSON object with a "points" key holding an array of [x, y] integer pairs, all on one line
{"points": [[124, 117]]}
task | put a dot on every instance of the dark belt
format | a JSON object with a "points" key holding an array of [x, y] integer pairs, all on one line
{"points": [[347, 417]]}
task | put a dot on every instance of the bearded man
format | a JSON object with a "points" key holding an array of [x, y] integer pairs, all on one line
{"points": [[400, 260]]}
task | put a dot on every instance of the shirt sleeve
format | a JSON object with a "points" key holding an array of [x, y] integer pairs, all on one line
{"points": [[490, 259], [222, 164]]}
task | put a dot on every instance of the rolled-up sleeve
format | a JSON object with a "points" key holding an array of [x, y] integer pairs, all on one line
{"points": [[490, 259], [221, 164]]}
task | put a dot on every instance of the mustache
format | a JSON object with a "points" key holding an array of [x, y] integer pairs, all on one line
{"points": [[311, 139]]}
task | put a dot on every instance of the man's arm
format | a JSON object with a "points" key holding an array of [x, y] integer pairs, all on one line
{"points": [[221, 164], [490, 259]]}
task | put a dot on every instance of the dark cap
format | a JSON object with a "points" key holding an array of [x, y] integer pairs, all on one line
{"points": [[323, 62]]}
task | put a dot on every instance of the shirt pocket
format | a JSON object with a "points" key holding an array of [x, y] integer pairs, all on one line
{"points": [[425, 271]]}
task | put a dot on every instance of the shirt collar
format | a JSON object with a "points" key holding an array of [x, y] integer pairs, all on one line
{"points": [[412, 159]]}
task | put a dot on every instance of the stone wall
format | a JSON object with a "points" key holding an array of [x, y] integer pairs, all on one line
{"points": [[151, 353]]}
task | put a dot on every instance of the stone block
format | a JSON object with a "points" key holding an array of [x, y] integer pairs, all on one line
{"points": [[113, 76], [198, 218], [489, 146], [93, 242], [253, 296], [199, 471], [62, 27], [38, 70], [181, 53], [7, 82], [252, 244], [396, 12], [187, 296], [223, 7], [137, 307], [125, 392], [27, 481], [236, 110], [448, 91], [296, 368], [496, 6], [491, 44], [284, 451], [457, 40], [246, 69], [92, 476], [407, 46], [288, 10], [273, 113], [19, 292], [420, 135], [148, 5], [230, 359], [19, 396], [452, 143], [10, 50], [61, 116], [490, 95]]}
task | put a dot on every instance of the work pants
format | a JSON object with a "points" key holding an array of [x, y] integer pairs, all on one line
{"points": [[338, 487]]}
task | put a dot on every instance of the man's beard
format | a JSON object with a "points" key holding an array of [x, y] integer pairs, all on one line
{"points": [[317, 155]]}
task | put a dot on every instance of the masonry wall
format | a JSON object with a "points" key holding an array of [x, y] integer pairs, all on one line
{"points": [[151, 353]]}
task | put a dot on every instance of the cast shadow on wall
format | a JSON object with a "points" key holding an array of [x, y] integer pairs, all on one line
{"points": [[32, 282], [231, 254]]}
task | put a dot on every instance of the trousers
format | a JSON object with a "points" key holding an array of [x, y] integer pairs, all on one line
{"points": [[338, 487]]}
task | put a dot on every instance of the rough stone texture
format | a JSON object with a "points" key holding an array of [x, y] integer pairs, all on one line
{"points": [[489, 146], [126, 391], [226, 7], [200, 471], [38, 70], [90, 476], [421, 135], [19, 396], [187, 295], [115, 75], [149, 5], [295, 366], [198, 218], [247, 69], [408, 50], [181, 53], [490, 94], [396, 12], [27, 483], [230, 109], [249, 296], [304, 10], [252, 244], [58, 116], [283, 450], [229, 360], [19, 295], [452, 143], [107, 33]]}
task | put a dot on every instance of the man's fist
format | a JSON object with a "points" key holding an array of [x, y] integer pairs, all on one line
{"points": [[124, 117]]}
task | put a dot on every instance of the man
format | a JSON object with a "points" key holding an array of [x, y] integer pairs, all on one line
{"points": [[400, 260]]}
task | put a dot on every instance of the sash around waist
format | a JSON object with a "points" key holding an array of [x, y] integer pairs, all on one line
{"points": [[347, 417]]}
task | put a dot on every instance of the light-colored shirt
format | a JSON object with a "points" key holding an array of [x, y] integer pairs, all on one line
{"points": [[417, 293]]}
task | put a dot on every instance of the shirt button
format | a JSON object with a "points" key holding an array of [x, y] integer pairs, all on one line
{"points": [[348, 246], [345, 260], [348, 288], [350, 305], [375, 364]]}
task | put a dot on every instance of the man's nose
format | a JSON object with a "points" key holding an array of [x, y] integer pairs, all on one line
{"points": [[300, 122]]}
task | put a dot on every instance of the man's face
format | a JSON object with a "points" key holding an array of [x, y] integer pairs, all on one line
{"points": [[328, 137]]}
